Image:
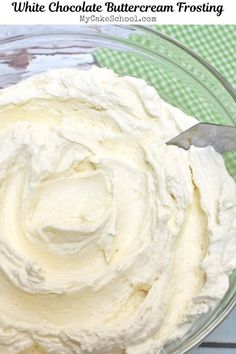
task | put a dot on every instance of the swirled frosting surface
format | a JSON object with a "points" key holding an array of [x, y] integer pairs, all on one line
{"points": [[111, 242]]}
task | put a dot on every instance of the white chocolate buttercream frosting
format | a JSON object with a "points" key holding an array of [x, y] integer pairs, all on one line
{"points": [[111, 242]]}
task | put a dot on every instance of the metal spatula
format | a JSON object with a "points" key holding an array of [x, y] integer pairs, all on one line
{"points": [[221, 137]]}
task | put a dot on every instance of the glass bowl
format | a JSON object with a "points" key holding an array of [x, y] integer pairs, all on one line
{"points": [[180, 76]]}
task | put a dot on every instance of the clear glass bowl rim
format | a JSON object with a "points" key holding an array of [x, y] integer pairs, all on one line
{"points": [[145, 29], [193, 342]]}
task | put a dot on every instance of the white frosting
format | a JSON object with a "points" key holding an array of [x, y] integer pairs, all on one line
{"points": [[110, 240]]}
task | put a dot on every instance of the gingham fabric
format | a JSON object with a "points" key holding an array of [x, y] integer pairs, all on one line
{"points": [[216, 44]]}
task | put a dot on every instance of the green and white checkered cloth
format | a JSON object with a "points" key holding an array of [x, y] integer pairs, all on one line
{"points": [[216, 44]]}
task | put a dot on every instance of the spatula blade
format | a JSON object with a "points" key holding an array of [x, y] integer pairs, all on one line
{"points": [[221, 137]]}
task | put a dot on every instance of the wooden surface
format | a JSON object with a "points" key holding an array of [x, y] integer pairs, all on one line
{"points": [[222, 340]]}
